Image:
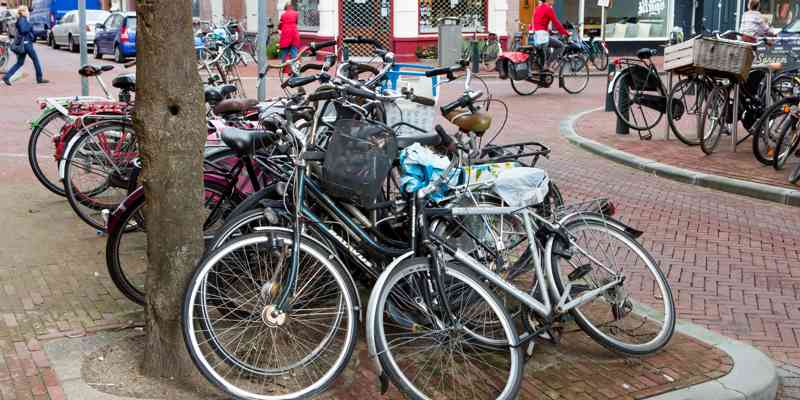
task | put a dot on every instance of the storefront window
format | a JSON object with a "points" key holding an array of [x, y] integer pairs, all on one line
{"points": [[629, 19], [780, 13], [309, 15], [472, 14]]}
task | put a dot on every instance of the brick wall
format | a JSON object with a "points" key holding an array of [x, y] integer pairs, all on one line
{"points": [[234, 9]]}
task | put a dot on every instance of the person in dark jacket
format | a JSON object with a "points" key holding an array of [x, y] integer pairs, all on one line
{"points": [[25, 32]]}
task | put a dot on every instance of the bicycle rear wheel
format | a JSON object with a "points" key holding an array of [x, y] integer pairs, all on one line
{"points": [[787, 143], [684, 107], [428, 359], [43, 155], [645, 97], [574, 73], [794, 177], [770, 128], [715, 118], [637, 316]]}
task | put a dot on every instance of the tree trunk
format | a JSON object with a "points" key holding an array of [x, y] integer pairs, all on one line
{"points": [[170, 124]]}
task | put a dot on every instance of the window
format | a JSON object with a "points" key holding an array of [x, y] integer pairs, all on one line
{"points": [[780, 13], [67, 18], [131, 22], [309, 15], [629, 19], [472, 14]]}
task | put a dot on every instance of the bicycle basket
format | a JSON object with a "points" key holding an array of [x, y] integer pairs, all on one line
{"points": [[357, 161]]}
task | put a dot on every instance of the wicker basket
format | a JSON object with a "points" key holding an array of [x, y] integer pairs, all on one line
{"points": [[715, 57]]}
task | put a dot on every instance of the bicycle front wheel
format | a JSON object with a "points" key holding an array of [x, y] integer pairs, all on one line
{"points": [[574, 73], [427, 358], [639, 98], [770, 128], [714, 120], [43, 154], [637, 316], [244, 344], [599, 56], [794, 177], [684, 107], [787, 143]]}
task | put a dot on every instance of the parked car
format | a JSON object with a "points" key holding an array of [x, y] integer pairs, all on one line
{"points": [[117, 36], [45, 14], [8, 20], [791, 30], [67, 31]]}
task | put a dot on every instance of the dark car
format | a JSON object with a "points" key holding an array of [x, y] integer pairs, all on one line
{"points": [[45, 14], [117, 36]]}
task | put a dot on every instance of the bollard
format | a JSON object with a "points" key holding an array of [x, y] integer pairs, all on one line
{"points": [[610, 96], [476, 56], [622, 127]]}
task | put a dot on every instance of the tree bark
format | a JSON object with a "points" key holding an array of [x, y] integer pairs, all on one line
{"points": [[170, 124]]}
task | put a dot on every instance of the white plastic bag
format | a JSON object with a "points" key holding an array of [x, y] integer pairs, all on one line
{"points": [[522, 186]]}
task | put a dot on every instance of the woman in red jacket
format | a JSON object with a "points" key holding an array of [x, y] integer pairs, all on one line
{"points": [[290, 36], [543, 15]]}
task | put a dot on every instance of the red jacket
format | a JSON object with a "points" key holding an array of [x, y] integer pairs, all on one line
{"points": [[290, 36], [543, 15]]}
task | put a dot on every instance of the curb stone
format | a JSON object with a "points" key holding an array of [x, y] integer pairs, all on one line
{"points": [[761, 191]]}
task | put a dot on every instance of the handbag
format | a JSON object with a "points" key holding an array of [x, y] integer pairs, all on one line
{"points": [[17, 46]]}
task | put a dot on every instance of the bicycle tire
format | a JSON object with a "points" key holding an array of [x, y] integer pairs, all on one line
{"points": [[520, 90], [768, 129], [388, 301], [785, 86], [636, 251], [578, 66], [625, 79], [794, 177], [211, 356], [716, 109], [789, 139], [599, 56], [677, 94], [54, 185], [85, 202]]}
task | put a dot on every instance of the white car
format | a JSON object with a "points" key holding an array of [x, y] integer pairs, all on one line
{"points": [[66, 32]]}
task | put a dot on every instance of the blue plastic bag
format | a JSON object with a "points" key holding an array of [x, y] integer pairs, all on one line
{"points": [[421, 166]]}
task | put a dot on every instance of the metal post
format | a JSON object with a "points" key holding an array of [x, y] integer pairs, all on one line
{"points": [[609, 94], [603, 24], [768, 100], [624, 108], [262, 48], [476, 56], [669, 88], [84, 56], [735, 118]]}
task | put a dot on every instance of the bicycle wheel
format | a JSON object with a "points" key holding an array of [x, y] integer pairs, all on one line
{"points": [[769, 128], [794, 177], [126, 247], [573, 73], [642, 92], [97, 169], [527, 87], [785, 86], [714, 120], [635, 317], [684, 107], [42, 151], [599, 56], [787, 143], [425, 358], [266, 353]]}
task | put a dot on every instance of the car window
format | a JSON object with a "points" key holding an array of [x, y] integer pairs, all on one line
{"points": [[68, 19], [108, 20], [95, 17], [794, 27], [116, 22], [131, 23]]}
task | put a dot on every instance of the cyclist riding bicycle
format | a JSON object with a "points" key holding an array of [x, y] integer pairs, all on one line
{"points": [[543, 15]]}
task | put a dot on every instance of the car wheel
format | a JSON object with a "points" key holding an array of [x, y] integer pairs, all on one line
{"points": [[97, 54], [53, 43], [72, 46], [118, 57]]}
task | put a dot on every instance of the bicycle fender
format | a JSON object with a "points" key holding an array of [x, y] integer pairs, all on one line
{"points": [[614, 80], [134, 199], [633, 232], [373, 302], [62, 163]]}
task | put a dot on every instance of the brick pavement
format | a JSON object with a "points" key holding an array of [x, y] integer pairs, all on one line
{"points": [[600, 126], [732, 261]]}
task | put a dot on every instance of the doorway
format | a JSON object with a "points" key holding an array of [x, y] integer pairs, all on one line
{"points": [[367, 18]]}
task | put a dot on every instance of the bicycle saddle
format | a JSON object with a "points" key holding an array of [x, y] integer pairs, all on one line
{"points": [[212, 95], [234, 106], [646, 53], [477, 122], [125, 82], [243, 141], [89, 70]]}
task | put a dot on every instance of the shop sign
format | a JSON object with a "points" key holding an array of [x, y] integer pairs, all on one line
{"points": [[784, 50]]}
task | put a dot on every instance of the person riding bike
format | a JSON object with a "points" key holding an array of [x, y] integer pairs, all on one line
{"points": [[543, 16]]}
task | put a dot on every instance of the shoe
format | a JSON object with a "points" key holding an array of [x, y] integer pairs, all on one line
{"points": [[6, 82], [19, 75], [43, 81]]}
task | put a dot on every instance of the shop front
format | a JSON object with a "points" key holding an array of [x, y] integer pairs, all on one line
{"points": [[406, 27]]}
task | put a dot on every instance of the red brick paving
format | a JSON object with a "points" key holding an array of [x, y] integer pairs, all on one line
{"points": [[600, 126], [732, 261]]}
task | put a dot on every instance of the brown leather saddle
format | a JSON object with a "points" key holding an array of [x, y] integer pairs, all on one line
{"points": [[234, 106], [477, 122]]}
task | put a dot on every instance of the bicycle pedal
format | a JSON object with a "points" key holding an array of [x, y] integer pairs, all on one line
{"points": [[580, 272]]}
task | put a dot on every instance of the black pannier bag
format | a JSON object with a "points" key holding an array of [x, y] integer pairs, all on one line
{"points": [[357, 161]]}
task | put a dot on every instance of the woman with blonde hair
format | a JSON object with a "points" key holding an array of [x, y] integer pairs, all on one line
{"points": [[26, 36]]}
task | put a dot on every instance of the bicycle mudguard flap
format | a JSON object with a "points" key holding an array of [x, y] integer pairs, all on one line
{"points": [[513, 64]]}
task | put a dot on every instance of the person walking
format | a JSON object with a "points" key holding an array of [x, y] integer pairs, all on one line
{"points": [[25, 34], [290, 35]]}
